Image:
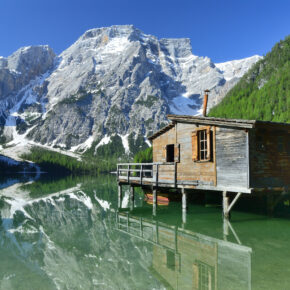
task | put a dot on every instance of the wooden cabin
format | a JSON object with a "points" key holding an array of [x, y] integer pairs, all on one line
{"points": [[224, 154], [216, 154]]}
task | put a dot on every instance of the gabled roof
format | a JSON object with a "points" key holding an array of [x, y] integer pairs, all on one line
{"points": [[233, 123], [161, 131]]}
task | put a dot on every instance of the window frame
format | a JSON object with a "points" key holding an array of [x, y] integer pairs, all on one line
{"points": [[197, 144], [176, 152], [172, 150]]}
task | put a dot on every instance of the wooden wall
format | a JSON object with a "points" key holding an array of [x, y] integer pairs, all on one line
{"points": [[187, 169], [232, 157], [270, 158], [228, 168], [166, 172]]}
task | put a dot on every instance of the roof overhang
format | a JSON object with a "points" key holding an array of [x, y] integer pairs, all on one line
{"points": [[247, 124], [161, 131], [232, 123]]}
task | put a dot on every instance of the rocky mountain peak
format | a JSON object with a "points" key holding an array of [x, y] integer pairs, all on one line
{"points": [[18, 69], [112, 82]]}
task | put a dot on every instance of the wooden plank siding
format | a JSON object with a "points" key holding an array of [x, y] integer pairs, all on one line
{"points": [[187, 169], [269, 157], [232, 157], [247, 155], [166, 172], [228, 167]]}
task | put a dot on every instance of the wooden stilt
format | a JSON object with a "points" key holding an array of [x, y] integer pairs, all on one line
{"points": [[119, 196], [154, 196], [225, 205], [132, 193], [184, 206], [154, 190], [132, 197], [183, 217], [184, 199], [225, 228]]}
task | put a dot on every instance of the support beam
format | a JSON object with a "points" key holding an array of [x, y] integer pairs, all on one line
{"points": [[154, 191], [234, 201], [154, 195], [184, 206], [225, 228], [184, 199], [226, 207], [154, 210], [119, 196], [132, 197], [183, 217]]}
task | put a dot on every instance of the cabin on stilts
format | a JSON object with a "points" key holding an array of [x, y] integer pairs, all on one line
{"points": [[214, 154]]}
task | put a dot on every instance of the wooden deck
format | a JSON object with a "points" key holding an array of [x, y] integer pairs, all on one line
{"points": [[149, 174]]}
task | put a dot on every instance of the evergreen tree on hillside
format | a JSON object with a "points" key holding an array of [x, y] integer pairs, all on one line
{"points": [[264, 91]]}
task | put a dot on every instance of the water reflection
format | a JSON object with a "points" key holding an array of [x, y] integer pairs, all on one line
{"points": [[70, 234], [184, 259]]}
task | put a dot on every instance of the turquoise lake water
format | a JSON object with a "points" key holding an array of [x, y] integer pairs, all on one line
{"points": [[70, 234]]}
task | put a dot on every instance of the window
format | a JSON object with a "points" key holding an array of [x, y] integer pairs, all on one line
{"points": [[206, 276], [202, 144], [170, 153], [203, 148], [170, 260]]}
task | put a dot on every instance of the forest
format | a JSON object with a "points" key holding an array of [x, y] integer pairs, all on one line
{"points": [[263, 93]]}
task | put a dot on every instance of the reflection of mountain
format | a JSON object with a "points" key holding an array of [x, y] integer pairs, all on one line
{"points": [[65, 234], [67, 240], [188, 260]]}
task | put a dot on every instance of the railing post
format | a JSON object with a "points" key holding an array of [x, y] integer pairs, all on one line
{"points": [[128, 173], [118, 172], [141, 174], [156, 175]]}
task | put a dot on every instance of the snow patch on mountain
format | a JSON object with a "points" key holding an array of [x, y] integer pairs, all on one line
{"points": [[112, 81], [237, 68], [184, 105]]}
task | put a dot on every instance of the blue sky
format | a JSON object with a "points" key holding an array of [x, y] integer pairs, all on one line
{"points": [[222, 29]]}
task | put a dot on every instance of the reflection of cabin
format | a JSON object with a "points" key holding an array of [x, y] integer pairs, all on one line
{"points": [[215, 154], [187, 260]]}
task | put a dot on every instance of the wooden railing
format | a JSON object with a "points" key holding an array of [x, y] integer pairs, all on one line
{"points": [[142, 172]]}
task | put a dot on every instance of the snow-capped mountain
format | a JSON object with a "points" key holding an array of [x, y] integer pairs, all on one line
{"points": [[112, 81]]}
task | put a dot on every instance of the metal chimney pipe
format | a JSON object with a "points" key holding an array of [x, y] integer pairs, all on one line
{"points": [[205, 102]]}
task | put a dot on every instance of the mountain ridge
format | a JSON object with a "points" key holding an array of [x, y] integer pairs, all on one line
{"points": [[113, 81]]}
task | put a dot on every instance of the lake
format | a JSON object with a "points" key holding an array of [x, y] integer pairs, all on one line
{"points": [[69, 233]]}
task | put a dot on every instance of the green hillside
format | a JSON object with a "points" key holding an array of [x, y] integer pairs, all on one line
{"points": [[264, 91]]}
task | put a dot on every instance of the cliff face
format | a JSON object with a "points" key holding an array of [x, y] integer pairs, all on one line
{"points": [[111, 81]]}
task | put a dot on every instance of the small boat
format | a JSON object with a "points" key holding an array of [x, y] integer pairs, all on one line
{"points": [[161, 200]]}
